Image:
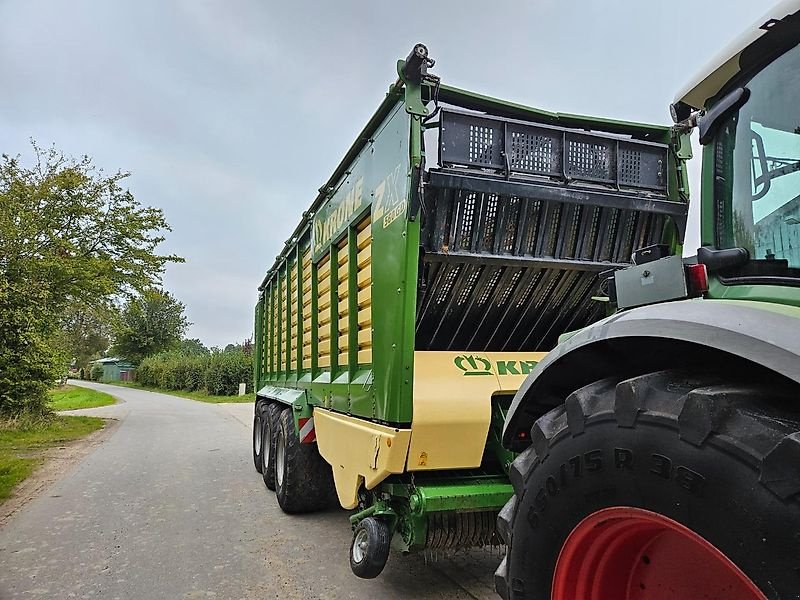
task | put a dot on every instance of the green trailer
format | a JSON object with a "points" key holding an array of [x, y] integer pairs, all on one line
{"points": [[457, 240]]}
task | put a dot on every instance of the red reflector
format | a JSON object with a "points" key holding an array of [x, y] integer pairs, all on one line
{"points": [[522, 435], [696, 279]]}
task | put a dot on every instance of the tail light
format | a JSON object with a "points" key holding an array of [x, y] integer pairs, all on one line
{"points": [[696, 279]]}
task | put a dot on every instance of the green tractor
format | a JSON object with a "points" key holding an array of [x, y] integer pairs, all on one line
{"points": [[659, 448]]}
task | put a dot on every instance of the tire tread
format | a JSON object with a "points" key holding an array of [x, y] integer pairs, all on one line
{"points": [[755, 424]]}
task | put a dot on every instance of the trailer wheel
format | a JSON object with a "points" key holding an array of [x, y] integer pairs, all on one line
{"points": [[369, 549], [303, 480], [667, 485], [257, 439], [270, 421]]}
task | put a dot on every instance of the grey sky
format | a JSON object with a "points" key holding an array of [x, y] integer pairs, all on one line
{"points": [[231, 114]]}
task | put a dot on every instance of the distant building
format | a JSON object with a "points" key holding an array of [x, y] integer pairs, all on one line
{"points": [[115, 369]]}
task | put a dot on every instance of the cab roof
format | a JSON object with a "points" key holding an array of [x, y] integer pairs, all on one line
{"points": [[728, 63]]}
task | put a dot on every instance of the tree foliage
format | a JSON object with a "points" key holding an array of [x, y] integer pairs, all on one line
{"points": [[70, 236], [86, 333], [149, 323], [29, 360], [193, 347]]}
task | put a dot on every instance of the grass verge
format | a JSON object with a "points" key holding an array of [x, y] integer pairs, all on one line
{"points": [[70, 397], [199, 396], [23, 442]]}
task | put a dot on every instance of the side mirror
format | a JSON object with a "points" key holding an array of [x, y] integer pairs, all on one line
{"points": [[709, 122]]}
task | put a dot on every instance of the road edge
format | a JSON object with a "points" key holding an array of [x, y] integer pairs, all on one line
{"points": [[59, 461]]}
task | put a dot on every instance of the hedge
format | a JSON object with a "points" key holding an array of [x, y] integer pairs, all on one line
{"points": [[218, 373]]}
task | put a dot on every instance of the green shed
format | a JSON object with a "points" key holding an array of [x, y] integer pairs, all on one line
{"points": [[115, 369]]}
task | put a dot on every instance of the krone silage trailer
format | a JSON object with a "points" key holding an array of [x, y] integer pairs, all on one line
{"points": [[458, 238]]}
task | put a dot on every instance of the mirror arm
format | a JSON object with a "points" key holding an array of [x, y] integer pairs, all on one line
{"points": [[709, 121]]}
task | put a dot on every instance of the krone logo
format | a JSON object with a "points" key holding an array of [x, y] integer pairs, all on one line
{"points": [[473, 365]]}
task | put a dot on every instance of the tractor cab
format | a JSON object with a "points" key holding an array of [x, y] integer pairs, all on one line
{"points": [[746, 107]]}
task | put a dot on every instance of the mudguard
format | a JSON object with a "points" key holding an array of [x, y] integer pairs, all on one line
{"points": [[762, 333]]}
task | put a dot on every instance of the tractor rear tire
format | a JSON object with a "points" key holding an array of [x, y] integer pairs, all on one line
{"points": [[666, 485], [270, 422], [303, 480]]}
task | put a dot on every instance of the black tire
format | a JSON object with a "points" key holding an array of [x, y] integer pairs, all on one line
{"points": [[304, 481], [257, 438], [719, 458], [270, 422], [369, 549]]}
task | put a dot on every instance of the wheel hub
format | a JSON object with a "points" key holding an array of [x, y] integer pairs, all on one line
{"points": [[280, 452], [267, 444], [257, 437], [360, 546], [634, 554]]}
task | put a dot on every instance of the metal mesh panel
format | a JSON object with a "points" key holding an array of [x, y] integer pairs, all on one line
{"points": [[514, 147], [641, 166], [535, 152], [482, 147], [590, 159]]}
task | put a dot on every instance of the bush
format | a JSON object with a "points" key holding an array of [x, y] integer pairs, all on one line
{"points": [[194, 377], [96, 373], [226, 370], [219, 373]]}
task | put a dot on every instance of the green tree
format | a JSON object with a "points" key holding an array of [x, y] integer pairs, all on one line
{"points": [[149, 323], [193, 347], [86, 334], [70, 235]]}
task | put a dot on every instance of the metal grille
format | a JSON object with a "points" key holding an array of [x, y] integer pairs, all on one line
{"points": [[516, 147], [520, 219], [529, 274], [527, 227]]}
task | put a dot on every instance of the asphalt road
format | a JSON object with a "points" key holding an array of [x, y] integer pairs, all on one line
{"points": [[169, 506]]}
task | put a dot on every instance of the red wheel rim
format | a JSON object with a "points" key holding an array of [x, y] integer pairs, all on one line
{"points": [[634, 554]]}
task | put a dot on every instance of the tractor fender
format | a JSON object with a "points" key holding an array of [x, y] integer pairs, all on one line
{"points": [[760, 333]]}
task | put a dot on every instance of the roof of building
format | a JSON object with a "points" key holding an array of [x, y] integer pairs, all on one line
{"points": [[111, 360]]}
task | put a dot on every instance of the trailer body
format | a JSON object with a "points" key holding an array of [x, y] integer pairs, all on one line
{"points": [[457, 240]]}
